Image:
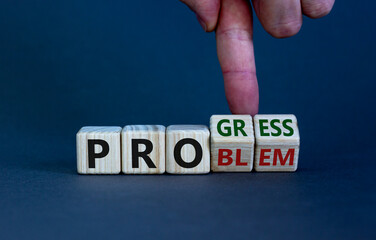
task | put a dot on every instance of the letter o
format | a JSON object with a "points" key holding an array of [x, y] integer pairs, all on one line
{"points": [[177, 153]]}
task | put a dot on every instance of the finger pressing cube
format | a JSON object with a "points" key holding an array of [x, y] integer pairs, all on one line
{"points": [[232, 143]]}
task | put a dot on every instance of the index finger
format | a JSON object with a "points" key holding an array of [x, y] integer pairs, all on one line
{"points": [[236, 56]]}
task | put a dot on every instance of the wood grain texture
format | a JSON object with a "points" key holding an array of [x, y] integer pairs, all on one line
{"points": [[199, 133], [271, 151], [111, 163], [232, 141], [155, 134]]}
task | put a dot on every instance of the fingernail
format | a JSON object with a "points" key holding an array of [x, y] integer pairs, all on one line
{"points": [[202, 23]]}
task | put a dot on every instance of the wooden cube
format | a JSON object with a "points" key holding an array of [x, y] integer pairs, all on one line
{"points": [[187, 149], [277, 143], [232, 143], [98, 150], [143, 149]]}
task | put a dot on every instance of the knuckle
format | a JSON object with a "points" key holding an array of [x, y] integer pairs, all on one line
{"points": [[317, 9], [283, 30], [236, 34], [204, 4]]}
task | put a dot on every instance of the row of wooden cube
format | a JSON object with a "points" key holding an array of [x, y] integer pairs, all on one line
{"points": [[235, 143]]}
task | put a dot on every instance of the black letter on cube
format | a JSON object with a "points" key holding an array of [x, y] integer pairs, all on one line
{"points": [[136, 154], [91, 150], [177, 153]]}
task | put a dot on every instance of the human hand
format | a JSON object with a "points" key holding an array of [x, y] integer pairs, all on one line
{"points": [[232, 22]]}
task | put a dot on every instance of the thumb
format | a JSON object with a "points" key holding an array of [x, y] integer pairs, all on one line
{"points": [[206, 11]]}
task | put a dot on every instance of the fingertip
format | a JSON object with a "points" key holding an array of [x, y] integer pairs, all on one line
{"points": [[242, 93], [208, 21], [245, 110], [318, 8], [202, 23], [206, 12], [281, 19], [285, 30]]}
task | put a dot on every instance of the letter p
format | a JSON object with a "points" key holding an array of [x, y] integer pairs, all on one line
{"points": [[91, 150]]}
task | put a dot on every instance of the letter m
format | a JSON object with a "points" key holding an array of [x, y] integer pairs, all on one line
{"points": [[278, 154]]}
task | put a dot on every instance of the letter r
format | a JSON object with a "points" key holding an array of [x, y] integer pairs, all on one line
{"points": [[136, 154]]}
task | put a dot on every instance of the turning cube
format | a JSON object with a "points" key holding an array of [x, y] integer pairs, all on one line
{"points": [[277, 143], [143, 149], [98, 150], [187, 149], [232, 143]]}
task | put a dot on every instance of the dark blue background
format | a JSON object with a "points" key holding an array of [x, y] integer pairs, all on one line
{"points": [[65, 64]]}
